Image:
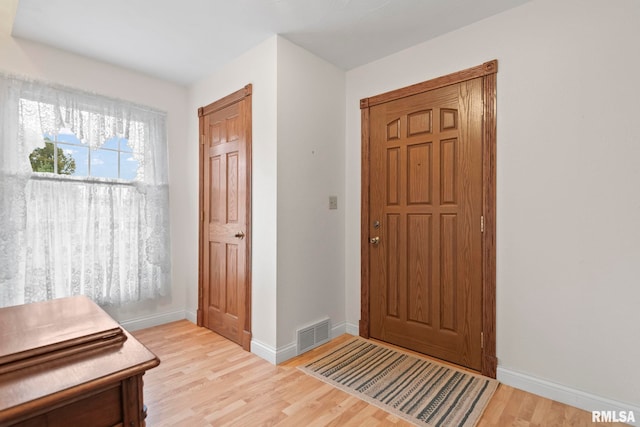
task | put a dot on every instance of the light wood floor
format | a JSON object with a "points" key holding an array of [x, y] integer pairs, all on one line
{"points": [[205, 380]]}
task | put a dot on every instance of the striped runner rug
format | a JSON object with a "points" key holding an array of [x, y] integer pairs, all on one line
{"points": [[419, 390]]}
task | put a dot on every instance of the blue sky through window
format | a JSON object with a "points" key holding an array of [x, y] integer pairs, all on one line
{"points": [[113, 159]]}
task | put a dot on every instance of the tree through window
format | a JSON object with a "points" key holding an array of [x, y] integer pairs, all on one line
{"points": [[51, 159], [65, 154]]}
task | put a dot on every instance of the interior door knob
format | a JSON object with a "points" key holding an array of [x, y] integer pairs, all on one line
{"points": [[240, 235], [375, 240]]}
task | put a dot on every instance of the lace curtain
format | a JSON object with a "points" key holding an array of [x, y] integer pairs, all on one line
{"points": [[62, 236]]}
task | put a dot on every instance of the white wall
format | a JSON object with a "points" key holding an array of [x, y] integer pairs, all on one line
{"points": [[258, 67], [310, 168], [298, 136], [568, 242], [24, 58]]}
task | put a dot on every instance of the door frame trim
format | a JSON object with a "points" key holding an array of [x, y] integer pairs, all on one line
{"points": [[246, 94], [488, 72]]}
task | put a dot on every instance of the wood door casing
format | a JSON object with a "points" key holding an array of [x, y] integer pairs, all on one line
{"points": [[409, 147], [224, 295]]}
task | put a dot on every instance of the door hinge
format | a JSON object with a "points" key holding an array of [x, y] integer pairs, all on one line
{"points": [[481, 339], [202, 139], [201, 216], [482, 224]]}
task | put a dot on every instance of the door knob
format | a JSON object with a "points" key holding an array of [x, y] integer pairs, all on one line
{"points": [[375, 240], [240, 235]]}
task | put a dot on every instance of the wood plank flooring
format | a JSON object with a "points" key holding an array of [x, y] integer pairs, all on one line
{"points": [[206, 380]]}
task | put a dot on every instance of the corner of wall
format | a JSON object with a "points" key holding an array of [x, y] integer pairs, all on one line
{"points": [[8, 9]]}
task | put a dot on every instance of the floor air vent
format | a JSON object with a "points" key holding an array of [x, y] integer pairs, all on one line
{"points": [[312, 336]]}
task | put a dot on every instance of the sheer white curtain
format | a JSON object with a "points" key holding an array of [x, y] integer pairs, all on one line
{"points": [[61, 236]]}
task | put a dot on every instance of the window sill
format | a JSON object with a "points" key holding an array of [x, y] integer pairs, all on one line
{"points": [[44, 176]]}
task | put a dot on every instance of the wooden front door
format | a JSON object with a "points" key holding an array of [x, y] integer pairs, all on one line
{"points": [[225, 179], [425, 221]]}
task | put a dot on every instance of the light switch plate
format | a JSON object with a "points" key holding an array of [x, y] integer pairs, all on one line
{"points": [[333, 202]]}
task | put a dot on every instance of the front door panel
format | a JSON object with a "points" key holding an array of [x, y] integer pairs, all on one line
{"points": [[425, 211]]}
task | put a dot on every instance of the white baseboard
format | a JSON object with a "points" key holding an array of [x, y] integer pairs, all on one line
{"points": [[153, 320], [289, 351], [567, 395], [339, 329], [264, 351], [191, 316], [353, 329]]}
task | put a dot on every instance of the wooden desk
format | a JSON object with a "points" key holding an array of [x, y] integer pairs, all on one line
{"points": [[65, 362]]}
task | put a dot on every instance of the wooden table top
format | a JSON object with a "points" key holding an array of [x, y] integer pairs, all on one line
{"points": [[30, 330], [66, 320]]}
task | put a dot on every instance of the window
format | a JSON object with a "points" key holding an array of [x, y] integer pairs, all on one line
{"points": [[65, 154], [83, 196]]}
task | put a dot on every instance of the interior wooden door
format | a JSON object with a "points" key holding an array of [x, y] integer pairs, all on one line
{"points": [[425, 222], [224, 297]]}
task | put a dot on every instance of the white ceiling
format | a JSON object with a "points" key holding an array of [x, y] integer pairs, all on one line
{"points": [[185, 40]]}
